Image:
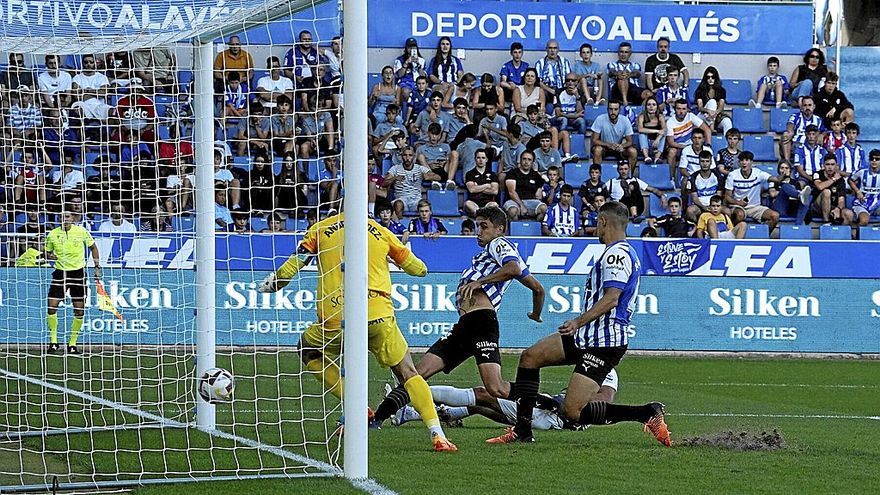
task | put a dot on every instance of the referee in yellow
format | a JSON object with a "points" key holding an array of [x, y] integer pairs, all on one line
{"points": [[66, 245], [321, 343]]}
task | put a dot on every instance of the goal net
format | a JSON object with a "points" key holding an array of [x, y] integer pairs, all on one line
{"points": [[194, 141]]}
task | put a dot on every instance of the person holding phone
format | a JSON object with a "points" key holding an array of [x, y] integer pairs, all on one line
{"points": [[409, 66]]}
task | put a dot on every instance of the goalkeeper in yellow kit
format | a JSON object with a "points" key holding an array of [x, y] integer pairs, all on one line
{"points": [[321, 343]]}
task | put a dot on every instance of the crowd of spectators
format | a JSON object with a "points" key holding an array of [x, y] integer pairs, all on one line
{"points": [[109, 136]]}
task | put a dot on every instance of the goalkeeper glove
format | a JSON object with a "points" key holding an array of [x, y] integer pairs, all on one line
{"points": [[269, 284]]}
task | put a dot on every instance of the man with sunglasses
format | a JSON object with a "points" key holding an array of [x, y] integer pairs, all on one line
{"points": [[16, 74]]}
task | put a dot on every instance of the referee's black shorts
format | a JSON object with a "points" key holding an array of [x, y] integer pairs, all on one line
{"points": [[68, 280]]}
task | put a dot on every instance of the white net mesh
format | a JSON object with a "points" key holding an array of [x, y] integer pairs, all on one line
{"points": [[107, 140]]}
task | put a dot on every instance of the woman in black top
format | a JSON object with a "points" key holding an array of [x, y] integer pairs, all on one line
{"points": [[488, 93], [709, 100], [808, 78]]}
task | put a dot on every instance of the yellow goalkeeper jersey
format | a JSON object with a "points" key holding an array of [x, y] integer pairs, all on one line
{"points": [[325, 240]]}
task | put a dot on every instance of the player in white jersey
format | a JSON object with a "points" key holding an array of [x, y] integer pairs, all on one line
{"points": [[546, 416], [476, 334], [865, 185], [594, 342]]}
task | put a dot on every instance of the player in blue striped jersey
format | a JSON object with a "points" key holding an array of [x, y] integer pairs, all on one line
{"points": [[865, 185], [480, 290], [594, 342]]}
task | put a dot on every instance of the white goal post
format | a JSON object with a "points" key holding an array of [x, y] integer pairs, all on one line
{"points": [[127, 405]]}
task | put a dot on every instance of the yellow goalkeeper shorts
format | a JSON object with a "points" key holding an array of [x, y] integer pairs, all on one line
{"points": [[384, 338]]}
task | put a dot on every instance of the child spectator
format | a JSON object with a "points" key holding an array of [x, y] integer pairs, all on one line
{"points": [[702, 185], [592, 187], [728, 158], [590, 76], [511, 151], [468, 227], [235, 96], [831, 102], [673, 224], [851, 156], [426, 225], [835, 138], [829, 194], [562, 218], [591, 219], [772, 87], [553, 187], [435, 155], [241, 222], [671, 92], [717, 225], [387, 220], [252, 133], [418, 100], [330, 184], [743, 193], [25, 117]]}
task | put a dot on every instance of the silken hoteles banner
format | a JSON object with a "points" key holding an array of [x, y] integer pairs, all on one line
{"points": [[492, 25], [678, 313]]}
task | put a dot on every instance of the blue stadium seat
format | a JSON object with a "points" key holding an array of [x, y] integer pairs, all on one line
{"points": [[635, 229], [277, 165], [609, 171], [593, 111], [161, 110], [532, 228], [578, 141], [739, 91], [692, 89], [749, 119], [764, 148], [164, 132], [183, 223], [185, 77], [757, 231], [868, 233], [719, 142], [444, 203], [787, 231], [312, 169], [655, 207], [91, 156], [655, 175], [576, 173], [779, 118], [835, 233], [258, 224], [258, 74], [373, 78], [163, 100], [453, 225]]}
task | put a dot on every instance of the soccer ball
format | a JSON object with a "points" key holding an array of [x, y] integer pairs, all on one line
{"points": [[216, 385]]}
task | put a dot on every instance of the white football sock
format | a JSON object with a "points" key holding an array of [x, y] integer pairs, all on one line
{"points": [[452, 396], [459, 412]]}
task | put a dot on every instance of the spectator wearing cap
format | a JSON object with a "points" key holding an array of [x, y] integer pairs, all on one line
{"points": [[233, 59], [612, 137], [409, 66], [25, 117], [55, 84]]}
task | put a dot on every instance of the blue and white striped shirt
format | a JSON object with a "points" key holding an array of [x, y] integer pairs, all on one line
{"points": [[851, 159], [618, 268], [869, 185], [810, 158], [618, 66], [561, 221], [800, 125], [553, 72], [488, 261]]}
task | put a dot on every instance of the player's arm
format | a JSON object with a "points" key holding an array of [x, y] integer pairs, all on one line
{"points": [[537, 289], [403, 257], [279, 279], [509, 271], [609, 300]]}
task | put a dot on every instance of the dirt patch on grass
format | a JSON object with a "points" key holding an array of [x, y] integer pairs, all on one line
{"points": [[742, 441]]}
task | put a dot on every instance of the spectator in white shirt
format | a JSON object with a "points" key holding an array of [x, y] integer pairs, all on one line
{"points": [[90, 88], [55, 84], [274, 85], [742, 193], [117, 222]]}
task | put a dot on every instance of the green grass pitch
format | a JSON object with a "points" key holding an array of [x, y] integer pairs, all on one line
{"points": [[826, 411]]}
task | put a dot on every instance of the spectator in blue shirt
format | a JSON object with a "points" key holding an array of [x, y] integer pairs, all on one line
{"points": [[426, 225], [301, 60], [772, 87], [386, 219], [512, 71], [445, 68]]}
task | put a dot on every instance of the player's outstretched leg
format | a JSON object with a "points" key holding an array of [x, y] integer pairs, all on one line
{"points": [[651, 415]]}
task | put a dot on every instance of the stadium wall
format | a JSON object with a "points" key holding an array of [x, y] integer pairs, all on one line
{"points": [[752, 296]]}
